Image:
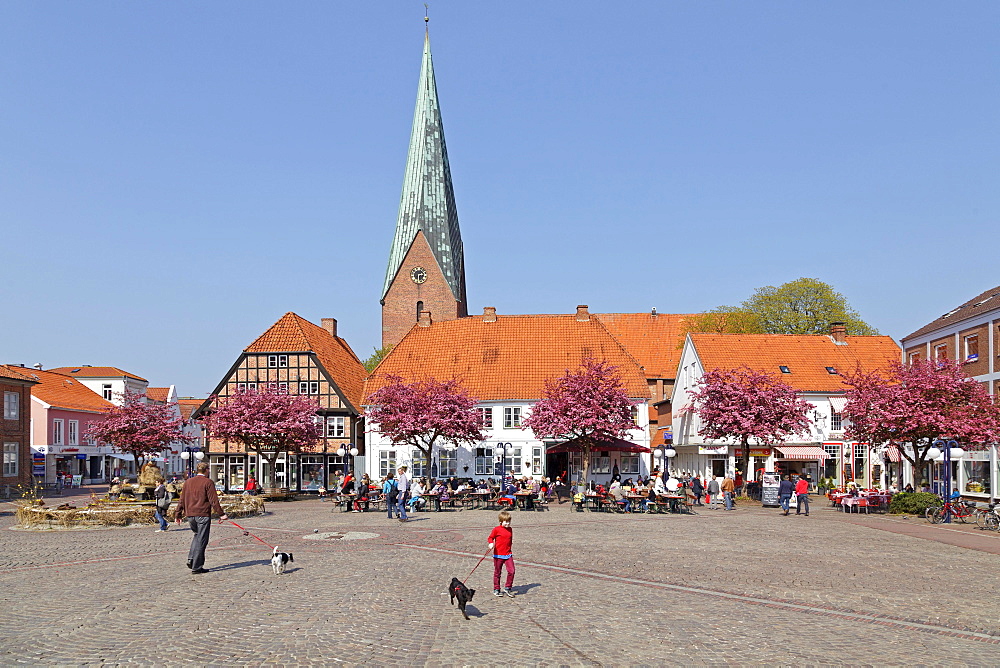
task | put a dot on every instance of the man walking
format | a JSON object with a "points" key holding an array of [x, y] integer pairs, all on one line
{"points": [[713, 492], [802, 495], [697, 488], [403, 483], [728, 489], [785, 489], [198, 500]]}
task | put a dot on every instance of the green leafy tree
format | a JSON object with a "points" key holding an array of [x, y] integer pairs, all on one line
{"points": [[804, 306], [376, 357]]}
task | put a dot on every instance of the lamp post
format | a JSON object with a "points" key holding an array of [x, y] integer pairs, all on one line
{"points": [[947, 451], [190, 454], [341, 451], [502, 459], [666, 454]]}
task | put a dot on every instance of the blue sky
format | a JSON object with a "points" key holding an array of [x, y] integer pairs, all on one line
{"points": [[176, 176]]}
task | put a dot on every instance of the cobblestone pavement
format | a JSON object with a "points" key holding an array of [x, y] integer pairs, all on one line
{"points": [[718, 588]]}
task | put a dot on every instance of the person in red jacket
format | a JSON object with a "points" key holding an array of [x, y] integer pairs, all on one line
{"points": [[501, 539], [802, 495]]}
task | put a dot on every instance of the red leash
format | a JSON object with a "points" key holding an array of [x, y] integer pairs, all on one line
{"points": [[476, 566], [247, 533]]}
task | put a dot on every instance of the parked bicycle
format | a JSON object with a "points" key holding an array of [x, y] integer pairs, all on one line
{"points": [[988, 518], [960, 510]]}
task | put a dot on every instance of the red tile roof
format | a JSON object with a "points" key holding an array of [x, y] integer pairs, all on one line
{"points": [[293, 333], [95, 372], [654, 340], [509, 359], [15, 373], [157, 393], [61, 391], [188, 406], [978, 305], [805, 356]]}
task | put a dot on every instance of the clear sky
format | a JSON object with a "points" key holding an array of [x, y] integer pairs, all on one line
{"points": [[176, 176]]}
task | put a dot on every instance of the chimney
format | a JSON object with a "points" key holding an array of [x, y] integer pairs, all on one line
{"points": [[489, 314], [330, 325], [838, 333], [425, 319], [582, 314], [653, 312]]}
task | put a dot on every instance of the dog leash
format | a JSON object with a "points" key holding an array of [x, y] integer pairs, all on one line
{"points": [[247, 533], [476, 566]]}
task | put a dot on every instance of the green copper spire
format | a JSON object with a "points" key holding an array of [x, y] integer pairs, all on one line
{"points": [[428, 200]]}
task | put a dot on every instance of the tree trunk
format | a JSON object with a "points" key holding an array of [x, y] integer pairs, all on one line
{"points": [[585, 467], [744, 462]]}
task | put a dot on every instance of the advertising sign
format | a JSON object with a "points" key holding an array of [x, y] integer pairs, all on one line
{"points": [[769, 489], [754, 452]]}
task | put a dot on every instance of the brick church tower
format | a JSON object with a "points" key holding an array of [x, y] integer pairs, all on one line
{"points": [[426, 270]]}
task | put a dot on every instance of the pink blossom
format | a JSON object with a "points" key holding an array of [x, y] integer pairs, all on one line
{"points": [[139, 428]]}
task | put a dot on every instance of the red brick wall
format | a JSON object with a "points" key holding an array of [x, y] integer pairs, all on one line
{"points": [[399, 310], [18, 431], [982, 365]]}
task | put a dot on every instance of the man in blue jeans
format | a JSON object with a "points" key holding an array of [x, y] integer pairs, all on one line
{"points": [[802, 496], [785, 490], [403, 485]]}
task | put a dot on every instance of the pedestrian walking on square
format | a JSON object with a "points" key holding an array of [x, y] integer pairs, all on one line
{"points": [[198, 500], [698, 488], [501, 542], [802, 496], [391, 492], [162, 496], [728, 490], [403, 483], [785, 490], [713, 492]]}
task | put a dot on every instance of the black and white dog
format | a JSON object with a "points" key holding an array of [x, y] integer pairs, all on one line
{"points": [[280, 560], [462, 593]]}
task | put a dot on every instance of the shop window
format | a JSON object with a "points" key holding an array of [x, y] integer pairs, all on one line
{"points": [[484, 461], [977, 477], [312, 473], [601, 463], [630, 465]]}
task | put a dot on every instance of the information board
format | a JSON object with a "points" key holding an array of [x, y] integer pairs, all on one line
{"points": [[769, 489]]}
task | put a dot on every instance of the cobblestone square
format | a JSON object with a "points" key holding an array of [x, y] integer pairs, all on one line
{"points": [[735, 588]]}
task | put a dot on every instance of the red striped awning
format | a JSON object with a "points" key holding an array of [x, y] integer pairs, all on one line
{"points": [[802, 452], [892, 452]]}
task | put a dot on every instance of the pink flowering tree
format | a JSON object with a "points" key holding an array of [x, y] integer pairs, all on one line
{"points": [[265, 422], [139, 428], [918, 404], [425, 413], [588, 405], [746, 405]]}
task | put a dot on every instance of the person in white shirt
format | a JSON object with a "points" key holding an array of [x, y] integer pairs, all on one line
{"points": [[403, 484], [415, 493]]}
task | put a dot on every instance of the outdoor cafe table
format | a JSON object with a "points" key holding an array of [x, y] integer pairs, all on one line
{"points": [[636, 501], [525, 499], [480, 498]]}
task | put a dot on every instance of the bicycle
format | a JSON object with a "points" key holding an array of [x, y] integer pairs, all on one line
{"points": [[987, 518], [960, 511]]}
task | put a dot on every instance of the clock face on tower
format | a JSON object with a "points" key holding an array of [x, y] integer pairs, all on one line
{"points": [[418, 275]]}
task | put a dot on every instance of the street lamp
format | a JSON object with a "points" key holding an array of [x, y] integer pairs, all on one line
{"points": [[948, 451], [665, 455], [502, 459], [190, 454]]}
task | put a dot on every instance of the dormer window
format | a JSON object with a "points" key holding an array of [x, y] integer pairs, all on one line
{"points": [[784, 369], [831, 370]]}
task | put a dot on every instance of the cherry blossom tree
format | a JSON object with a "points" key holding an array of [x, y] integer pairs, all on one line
{"points": [[918, 404], [586, 405], [139, 428], [265, 422], [743, 405], [425, 412]]}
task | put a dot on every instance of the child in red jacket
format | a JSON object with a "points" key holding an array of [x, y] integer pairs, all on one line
{"points": [[500, 540]]}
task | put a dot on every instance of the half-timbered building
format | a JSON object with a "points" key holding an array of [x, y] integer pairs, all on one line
{"points": [[297, 357]]}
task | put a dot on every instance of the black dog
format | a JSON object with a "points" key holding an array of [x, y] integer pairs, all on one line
{"points": [[462, 593]]}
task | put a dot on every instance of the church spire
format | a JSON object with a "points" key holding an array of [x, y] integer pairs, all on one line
{"points": [[427, 203]]}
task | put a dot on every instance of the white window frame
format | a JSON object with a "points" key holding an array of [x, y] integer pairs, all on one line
{"points": [[537, 457], [11, 450], [386, 462], [57, 432], [486, 413], [511, 417], [513, 462], [629, 465], [282, 361], [836, 421], [73, 432], [447, 462], [272, 361], [965, 347], [938, 350], [308, 387], [335, 427], [106, 391], [246, 387], [11, 406], [601, 464], [419, 466], [484, 461]]}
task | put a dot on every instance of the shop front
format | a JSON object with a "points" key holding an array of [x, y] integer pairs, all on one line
{"points": [[800, 460], [297, 472]]}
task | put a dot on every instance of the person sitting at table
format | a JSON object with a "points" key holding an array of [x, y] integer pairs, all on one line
{"points": [[361, 495], [618, 493], [482, 485]]}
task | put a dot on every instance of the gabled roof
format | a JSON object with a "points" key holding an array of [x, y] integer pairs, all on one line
{"points": [[805, 356], [158, 393], [95, 372], [427, 202], [188, 406], [509, 359], [654, 340], [293, 333], [61, 391], [978, 305], [18, 373]]}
